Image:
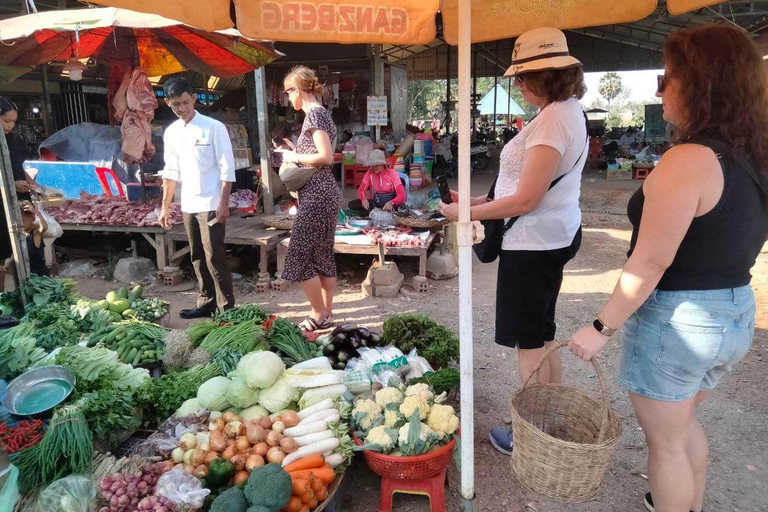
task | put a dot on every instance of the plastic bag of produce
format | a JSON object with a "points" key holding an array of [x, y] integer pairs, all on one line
{"points": [[182, 488], [419, 366], [73, 493], [9, 493]]}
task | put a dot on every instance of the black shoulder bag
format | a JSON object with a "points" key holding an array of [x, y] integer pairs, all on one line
{"points": [[490, 248]]}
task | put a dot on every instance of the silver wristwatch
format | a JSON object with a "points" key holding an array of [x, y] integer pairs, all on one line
{"points": [[602, 329]]}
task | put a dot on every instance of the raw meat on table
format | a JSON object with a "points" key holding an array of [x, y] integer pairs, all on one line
{"points": [[112, 211]]}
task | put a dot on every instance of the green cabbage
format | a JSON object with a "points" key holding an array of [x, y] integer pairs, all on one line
{"points": [[212, 394], [240, 394], [253, 412], [260, 369], [190, 406], [278, 396]]}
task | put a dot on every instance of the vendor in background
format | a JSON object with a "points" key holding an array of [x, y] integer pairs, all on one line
{"points": [[310, 258], [547, 235], [35, 227], [198, 154], [9, 114], [699, 223], [386, 189]]}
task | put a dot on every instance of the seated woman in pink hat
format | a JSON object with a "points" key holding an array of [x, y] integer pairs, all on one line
{"points": [[381, 183]]}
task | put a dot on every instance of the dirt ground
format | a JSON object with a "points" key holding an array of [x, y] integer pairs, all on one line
{"points": [[735, 418]]}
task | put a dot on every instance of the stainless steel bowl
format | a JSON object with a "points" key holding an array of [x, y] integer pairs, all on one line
{"points": [[44, 388], [360, 223]]}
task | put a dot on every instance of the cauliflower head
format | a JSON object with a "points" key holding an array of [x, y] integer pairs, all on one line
{"points": [[366, 413], [421, 389], [388, 395], [402, 434], [413, 402], [393, 419], [443, 420], [382, 436]]}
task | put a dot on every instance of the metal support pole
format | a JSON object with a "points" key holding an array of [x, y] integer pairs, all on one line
{"points": [[260, 78], [474, 87], [509, 101], [495, 82], [13, 214], [448, 89], [46, 108], [465, 239], [378, 80]]}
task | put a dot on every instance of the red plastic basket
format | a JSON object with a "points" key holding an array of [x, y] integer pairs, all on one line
{"points": [[418, 467]]}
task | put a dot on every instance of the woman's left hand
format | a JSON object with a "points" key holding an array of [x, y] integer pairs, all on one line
{"points": [[288, 156], [587, 342], [450, 211], [389, 206]]}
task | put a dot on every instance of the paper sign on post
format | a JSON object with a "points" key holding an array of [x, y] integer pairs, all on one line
{"points": [[377, 111]]}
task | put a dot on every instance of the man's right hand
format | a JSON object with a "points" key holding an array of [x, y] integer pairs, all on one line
{"points": [[366, 204], [454, 196], [165, 219], [22, 186]]}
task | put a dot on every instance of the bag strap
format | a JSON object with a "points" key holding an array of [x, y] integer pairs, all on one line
{"points": [[512, 220], [720, 148]]}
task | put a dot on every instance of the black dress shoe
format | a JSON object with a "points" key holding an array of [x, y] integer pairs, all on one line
{"points": [[196, 313]]}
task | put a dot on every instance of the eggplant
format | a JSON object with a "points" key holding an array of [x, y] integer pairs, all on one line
{"points": [[340, 339], [343, 356], [329, 350], [348, 328], [339, 365], [363, 333], [339, 329], [353, 341], [374, 340]]}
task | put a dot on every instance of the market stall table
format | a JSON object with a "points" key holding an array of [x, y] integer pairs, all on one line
{"points": [[155, 235], [372, 249], [240, 231]]}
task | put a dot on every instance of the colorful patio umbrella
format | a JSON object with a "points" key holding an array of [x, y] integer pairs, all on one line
{"points": [[108, 35], [398, 21]]}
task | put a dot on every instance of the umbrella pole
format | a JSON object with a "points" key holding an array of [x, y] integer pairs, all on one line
{"points": [[13, 214], [465, 238]]}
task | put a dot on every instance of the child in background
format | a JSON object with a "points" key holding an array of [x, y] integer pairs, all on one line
{"points": [[35, 243], [387, 190]]}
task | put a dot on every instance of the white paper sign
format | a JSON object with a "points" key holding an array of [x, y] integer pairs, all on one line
{"points": [[377, 111]]}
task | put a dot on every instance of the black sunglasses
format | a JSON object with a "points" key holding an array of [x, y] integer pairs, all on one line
{"points": [[661, 81]]}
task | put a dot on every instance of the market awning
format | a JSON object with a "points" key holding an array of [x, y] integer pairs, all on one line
{"points": [[505, 105]]}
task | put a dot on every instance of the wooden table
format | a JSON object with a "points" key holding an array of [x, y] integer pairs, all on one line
{"points": [[373, 250], [155, 235], [240, 231]]}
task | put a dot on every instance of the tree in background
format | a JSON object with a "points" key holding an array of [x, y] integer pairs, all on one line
{"points": [[610, 87]]}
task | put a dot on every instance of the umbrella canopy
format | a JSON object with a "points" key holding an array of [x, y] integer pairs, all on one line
{"points": [[9, 74], [399, 21], [159, 45], [505, 105]]}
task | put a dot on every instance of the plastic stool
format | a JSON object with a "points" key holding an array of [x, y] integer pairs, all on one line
{"points": [[102, 173], [433, 488], [641, 173]]}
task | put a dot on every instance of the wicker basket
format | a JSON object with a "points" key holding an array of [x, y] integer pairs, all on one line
{"points": [[412, 222], [332, 490], [564, 439], [418, 467], [278, 221]]}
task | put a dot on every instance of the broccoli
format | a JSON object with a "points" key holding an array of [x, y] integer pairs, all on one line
{"points": [[231, 500], [259, 508], [269, 487]]}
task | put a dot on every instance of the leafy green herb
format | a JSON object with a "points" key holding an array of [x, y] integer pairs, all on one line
{"points": [[409, 331], [109, 412], [287, 339], [18, 351], [442, 381], [244, 338], [241, 314], [161, 397]]}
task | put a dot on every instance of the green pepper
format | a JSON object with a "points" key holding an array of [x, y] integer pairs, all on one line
{"points": [[220, 472]]}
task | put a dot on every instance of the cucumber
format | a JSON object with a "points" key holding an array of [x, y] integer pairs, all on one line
{"points": [[137, 357], [114, 334], [122, 292], [131, 355]]}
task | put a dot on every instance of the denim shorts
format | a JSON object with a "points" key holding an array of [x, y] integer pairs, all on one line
{"points": [[681, 342]]}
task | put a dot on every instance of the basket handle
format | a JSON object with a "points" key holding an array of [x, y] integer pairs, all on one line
{"points": [[600, 378]]}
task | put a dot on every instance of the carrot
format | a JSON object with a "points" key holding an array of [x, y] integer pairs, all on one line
{"points": [[325, 474], [307, 497], [301, 486], [304, 508], [313, 504], [321, 493], [316, 484], [309, 462], [294, 504]]}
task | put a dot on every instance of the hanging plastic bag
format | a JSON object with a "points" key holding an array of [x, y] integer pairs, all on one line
{"points": [[54, 228], [182, 488], [9, 493], [73, 493]]}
